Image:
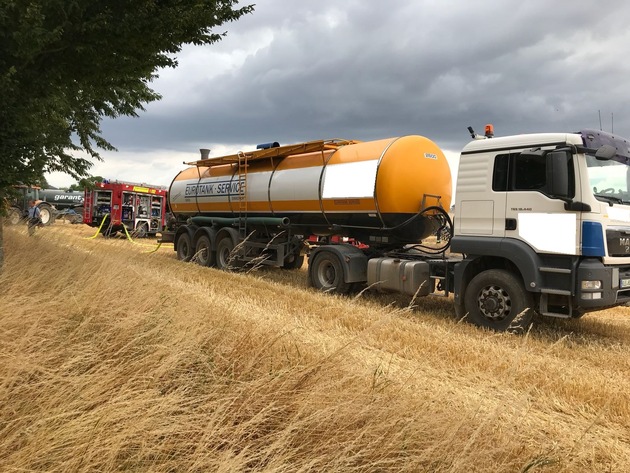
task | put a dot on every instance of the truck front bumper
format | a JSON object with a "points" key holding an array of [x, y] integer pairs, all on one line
{"points": [[600, 286]]}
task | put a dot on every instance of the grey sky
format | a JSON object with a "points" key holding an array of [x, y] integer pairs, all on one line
{"points": [[303, 70]]}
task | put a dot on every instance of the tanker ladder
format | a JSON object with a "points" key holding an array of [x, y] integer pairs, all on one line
{"points": [[242, 195]]}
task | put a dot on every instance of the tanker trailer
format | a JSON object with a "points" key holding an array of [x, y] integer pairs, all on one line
{"points": [[62, 199], [68, 204], [259, 207], [18, 205]]}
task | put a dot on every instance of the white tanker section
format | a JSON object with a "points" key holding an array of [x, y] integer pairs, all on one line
{"points": [[376, 187]]}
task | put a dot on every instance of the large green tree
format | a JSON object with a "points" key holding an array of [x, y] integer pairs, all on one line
{"points": [[88, 182], [66, 64]]}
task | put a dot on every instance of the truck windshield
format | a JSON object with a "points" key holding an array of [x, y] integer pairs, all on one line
{"points": [[609, 180]]}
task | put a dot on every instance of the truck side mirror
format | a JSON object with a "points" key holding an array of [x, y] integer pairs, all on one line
{"points": [[605, 152], [558, 174]]}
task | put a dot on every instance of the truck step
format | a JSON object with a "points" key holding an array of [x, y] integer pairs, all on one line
{"points": [[554, 270], [544, 308], [556, 315], [560, 292]]}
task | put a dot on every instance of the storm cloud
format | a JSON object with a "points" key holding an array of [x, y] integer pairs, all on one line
{"points": [[300, 71]]}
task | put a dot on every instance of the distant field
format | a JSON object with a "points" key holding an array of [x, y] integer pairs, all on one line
{"points": [[114, 359]]}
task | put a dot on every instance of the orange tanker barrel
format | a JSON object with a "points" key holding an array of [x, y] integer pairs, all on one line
{"points": [[395, 178], [359, 189]]}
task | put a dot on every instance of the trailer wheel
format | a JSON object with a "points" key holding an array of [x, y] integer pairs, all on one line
{"points": [[497, 299], [203, 252], [46, 214], [224, 256], [14, 216], [326, 273], [184, 247]]}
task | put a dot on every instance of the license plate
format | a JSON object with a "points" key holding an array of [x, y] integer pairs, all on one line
{"points": [[624, 283]]}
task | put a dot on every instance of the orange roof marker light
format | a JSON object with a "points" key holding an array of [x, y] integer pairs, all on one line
{"points": [[488, 132]]}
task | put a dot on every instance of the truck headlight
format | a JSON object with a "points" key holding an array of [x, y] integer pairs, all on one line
{"points": [[591, 285]]}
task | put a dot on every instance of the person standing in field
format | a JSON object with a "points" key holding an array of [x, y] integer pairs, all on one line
{"points": [[34, 217]]}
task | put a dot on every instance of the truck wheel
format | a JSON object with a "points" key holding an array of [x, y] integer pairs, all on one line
{"points": [[203, 252], [14, 216], [296, 263], [46, 214], [224, 256], [496, 299], [184, 247], [142, 230], [326, 273]]}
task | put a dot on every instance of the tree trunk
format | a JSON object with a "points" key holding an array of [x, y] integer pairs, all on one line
{"points": [[3, 212], [1, 242]]}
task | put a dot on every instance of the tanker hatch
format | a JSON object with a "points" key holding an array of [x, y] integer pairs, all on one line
{"points": [[273, 144]]}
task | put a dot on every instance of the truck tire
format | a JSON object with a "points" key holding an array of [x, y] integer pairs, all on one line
{"points": [[497, 299], [224, 257], [296, 263], [204, 252], [184, 247], [326, 273], [46, 214], [14, 216]]}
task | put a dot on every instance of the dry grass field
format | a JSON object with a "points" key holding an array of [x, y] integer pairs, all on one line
{"points": [[113, 359]]}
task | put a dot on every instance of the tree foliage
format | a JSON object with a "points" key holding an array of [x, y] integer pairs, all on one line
{"points": [[86, 183], [64, 65]]}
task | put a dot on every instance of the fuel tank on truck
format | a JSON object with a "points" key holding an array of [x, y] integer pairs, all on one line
{"points": [[353, 188]]}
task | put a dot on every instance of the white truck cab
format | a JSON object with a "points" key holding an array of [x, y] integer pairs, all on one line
{"points": [[550, 211]]}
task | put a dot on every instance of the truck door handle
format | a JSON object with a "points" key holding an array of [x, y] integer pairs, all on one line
{"points": [[510, 224]]}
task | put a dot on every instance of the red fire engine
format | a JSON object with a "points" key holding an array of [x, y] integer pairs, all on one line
{"points": [[113, 206]]}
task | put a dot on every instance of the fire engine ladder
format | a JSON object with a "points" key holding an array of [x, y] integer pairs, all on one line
{"points": [[87, 205]]}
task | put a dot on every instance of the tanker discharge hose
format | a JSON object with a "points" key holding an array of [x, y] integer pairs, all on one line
{"points": [[445, 230]]}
